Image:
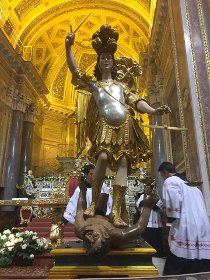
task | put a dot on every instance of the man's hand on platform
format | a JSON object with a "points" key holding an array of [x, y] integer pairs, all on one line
{"points": [[150, 197]]}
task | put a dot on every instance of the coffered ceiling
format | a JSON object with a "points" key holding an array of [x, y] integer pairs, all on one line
{"points": [[37, 30]]}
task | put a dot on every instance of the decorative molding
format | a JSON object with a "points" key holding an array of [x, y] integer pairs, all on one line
{"points": [[12, 60], [16, 99], [59, 83], [25, 6], [30, 113], [204, 35], [157, 31], [179, 93], [205, 147], [8, 27], [65, 8]]}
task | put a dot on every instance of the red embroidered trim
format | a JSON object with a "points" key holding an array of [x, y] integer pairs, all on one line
{"points": [[173, 209], [192, 245]]}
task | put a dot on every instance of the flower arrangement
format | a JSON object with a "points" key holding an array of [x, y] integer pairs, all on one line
{"points": [[26, 244]]}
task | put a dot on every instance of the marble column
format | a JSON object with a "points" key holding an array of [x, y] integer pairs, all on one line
{"points": [[17, 101], [6, 116], [13, 157], [158, 148], [27, 142]]}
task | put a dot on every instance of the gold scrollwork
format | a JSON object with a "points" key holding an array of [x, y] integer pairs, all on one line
{"points": [[23, 209], [33, 202]]}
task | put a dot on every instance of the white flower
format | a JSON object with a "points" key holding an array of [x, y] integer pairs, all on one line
{"points": [[20, 239], [24, 246], [31, 256], [10, 248], [45, 247], [3, 237], [2, 251], [18, 234], [34, 237], [27, 232], [16, 240], [7, 231], [39, 242], [11, 236], [10, 243]]}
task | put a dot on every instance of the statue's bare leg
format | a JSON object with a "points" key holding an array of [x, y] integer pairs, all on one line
{"points": [[119, 189], [98, 178]]}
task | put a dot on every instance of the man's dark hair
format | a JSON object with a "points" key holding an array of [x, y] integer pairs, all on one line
{"points": [[167, 166], [97, 72], [100, 251], [86, 169]]}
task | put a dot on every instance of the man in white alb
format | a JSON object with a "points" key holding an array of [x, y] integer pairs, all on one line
{"points": [[189, 236], [71, 209]]}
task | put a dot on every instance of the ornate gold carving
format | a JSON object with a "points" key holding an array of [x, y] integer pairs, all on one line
{"points": [[59, 83], [26, 208], [46, 67], [87, 60], [34, 202], [59, 10], [16, 98], [56, 235], [8, 27], [25, 6], [145, 3], [30, 113]]}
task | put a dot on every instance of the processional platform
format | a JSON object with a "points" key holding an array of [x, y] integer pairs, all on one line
{"points": [[131, 260]]}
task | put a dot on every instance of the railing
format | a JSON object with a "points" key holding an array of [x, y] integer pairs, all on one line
{"points": [[57, 206]]}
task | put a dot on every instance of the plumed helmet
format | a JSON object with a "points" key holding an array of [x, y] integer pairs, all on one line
{"points": [[105, 40]]}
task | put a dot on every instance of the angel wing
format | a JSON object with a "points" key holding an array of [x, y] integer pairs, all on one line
{"points": [[128, 69], [87, 117], [83, 99]]}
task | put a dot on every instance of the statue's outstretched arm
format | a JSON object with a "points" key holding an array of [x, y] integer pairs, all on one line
{"points": [[134, 231], [122, 235], [143, 107], [69, 55]]}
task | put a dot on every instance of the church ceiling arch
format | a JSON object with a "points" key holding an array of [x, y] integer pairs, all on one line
{"points": [[37, 29]]}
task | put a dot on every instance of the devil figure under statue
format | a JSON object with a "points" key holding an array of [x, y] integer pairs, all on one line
{"points": [[100, 234]]}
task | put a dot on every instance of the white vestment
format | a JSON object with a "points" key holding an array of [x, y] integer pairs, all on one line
{"points": [[155, 218], [189, 236], [71, 208]]}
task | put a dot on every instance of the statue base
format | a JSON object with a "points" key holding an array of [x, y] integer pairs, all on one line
{"points": [[134, 259]]}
